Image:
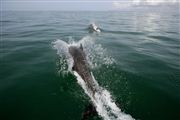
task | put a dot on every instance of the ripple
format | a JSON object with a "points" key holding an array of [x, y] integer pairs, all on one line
{"points": [[163, 38], [122, 32]]}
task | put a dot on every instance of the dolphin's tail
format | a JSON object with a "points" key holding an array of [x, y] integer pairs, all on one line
{"points": [[90, 110]]}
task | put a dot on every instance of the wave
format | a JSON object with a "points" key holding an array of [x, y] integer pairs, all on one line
{"points": [[102, 99], [122, 32], [164, 38]]}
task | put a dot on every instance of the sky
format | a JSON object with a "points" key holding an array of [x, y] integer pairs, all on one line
{"points": [[78, 5]]}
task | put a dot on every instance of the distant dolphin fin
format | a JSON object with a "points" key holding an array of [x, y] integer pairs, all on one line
{"points": [[81, 47]]}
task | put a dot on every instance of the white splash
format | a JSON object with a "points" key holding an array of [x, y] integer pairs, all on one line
{"points": [[103, 102], [62, 51], [95, 53], [96, 56]]}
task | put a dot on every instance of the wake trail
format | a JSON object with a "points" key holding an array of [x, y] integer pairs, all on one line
{"points": [[101, 99], [103, 102]]}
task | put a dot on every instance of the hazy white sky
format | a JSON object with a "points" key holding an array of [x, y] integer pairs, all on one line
{"points": [[96, 5]]}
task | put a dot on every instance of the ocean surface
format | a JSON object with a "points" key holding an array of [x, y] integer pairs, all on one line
{"points": [[135, 58]]}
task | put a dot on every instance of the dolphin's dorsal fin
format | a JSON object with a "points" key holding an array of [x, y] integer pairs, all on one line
{"points": [[81, 47], [73, 68]]}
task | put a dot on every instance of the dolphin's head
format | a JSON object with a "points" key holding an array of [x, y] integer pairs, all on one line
{"points": [[78, 56], [93, 28], [74, 51]]}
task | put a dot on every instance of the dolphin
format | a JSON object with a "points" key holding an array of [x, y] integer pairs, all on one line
{"points": [[94, 28], [81, 66]]}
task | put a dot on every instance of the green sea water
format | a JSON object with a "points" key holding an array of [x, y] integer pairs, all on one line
{"points": [[144, 79]]}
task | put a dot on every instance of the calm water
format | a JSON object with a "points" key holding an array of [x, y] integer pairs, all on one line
{"points": [[144, 80]]}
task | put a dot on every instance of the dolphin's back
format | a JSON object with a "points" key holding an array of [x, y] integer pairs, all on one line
{"points": [[81, 65]]}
